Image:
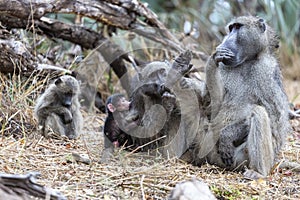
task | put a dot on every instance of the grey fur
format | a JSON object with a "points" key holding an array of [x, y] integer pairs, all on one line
{"points": [[58, 108], [248, 102], [172, 116]]}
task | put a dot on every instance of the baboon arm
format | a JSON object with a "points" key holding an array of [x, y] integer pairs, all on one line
{"points": [[63, 112], [179, 68], [152, 122], [122, 124], [214, 85]]}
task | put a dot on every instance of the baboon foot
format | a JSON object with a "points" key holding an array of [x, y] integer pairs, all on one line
{"points": [[107, 155]]}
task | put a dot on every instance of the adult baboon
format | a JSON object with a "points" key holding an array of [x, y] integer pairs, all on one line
{"points": [[58, 108], [249, 108], [171, 119]]}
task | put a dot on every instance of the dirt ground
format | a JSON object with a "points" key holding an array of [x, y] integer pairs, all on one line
{"points": [[134, 175]]}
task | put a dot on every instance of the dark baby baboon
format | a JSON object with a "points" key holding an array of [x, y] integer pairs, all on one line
{"points": [[117, 126], [249, 117], [116, 108], [58, 108]]}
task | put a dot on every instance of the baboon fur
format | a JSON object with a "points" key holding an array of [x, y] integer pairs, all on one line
{"points": [[58, 108], [171, 118], [249, 108]]}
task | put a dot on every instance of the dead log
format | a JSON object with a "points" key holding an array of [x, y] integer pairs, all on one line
{"points": [[122, 14], [14, 187], [76, 34], [133, 16]]}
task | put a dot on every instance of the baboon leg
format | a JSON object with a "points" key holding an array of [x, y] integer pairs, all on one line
{"points": [[56, 124], [74, 128], [70, 130], [232, 136], [261, 151], [259, 148], [108, 150]]}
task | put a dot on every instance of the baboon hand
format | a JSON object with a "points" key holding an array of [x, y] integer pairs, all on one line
{"points": [[163, 89], [67, 118], [223, 55], [182, 62], [226, 152], [186, 83]]}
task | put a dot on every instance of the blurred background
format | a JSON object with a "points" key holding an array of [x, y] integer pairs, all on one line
{"points": [[203, 22]]}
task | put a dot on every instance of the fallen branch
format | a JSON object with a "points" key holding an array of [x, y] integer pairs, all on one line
{"points": [[28, 184]]}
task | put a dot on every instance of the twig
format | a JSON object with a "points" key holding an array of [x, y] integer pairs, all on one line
{"points": [[139, 147], [142, 188], [52, 67]]}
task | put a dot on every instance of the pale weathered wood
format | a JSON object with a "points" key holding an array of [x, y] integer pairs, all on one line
{"points": [[14, 184]]}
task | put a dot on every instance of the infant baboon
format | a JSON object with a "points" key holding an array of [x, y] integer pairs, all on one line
{"points": [[58, 108], [249, 108], [119, 124], [114, 126]]}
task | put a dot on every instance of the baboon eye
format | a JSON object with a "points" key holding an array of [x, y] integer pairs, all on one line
{"points": [[262, 25], [236, 26]]}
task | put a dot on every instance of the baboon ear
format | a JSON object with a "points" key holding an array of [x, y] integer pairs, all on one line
{"points": [[58, 81], [262, 25], [111, 107]]}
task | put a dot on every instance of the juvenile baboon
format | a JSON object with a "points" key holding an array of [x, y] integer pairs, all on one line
{"points": [[58, 108], [249, 117], [171, 118]]}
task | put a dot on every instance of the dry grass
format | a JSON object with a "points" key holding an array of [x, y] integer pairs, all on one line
{"points": [[290, 63], [128, 176], [137, 175]]}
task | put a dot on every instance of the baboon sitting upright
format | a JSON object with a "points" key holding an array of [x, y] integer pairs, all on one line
{"points": [[249, 108], [58, 108]]}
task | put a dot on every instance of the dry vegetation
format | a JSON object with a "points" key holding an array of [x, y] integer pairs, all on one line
{"points": [[129, 176]]}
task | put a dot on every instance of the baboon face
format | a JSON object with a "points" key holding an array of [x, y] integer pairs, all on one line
{"points": [[123, 104], [67, 87], [154, 72], [246, 38], [117, 102]]}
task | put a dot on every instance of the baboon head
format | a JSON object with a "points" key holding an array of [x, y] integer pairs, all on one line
{"points": [[246, 38], [154, 72], [117, 102], [151, 77], [67, 88]]}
